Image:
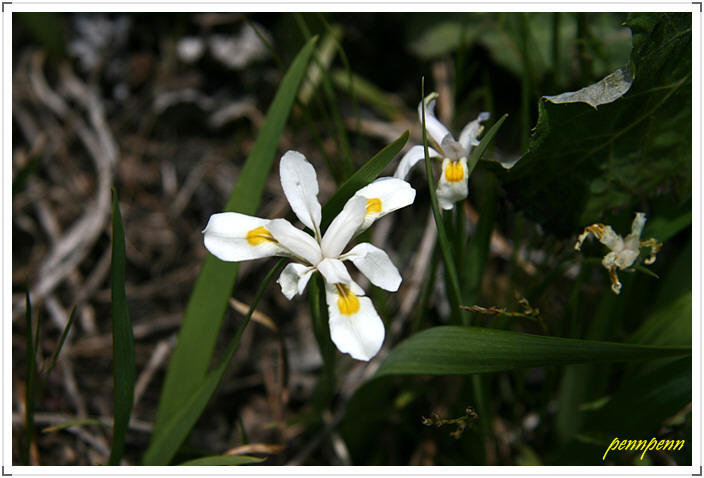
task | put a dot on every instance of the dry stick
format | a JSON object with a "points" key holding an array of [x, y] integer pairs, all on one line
{"points": [[159, 356], [418, 265], [75, 244]]}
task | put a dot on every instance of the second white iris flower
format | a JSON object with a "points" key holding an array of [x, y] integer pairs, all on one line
{"points": [[452, 185], [355, 326]]}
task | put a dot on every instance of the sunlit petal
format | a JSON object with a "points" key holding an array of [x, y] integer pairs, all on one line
{"points": [[344, 226], [334, 271], [300, 184], [383, 196], [436, 130], [294, 278], [375, 265], [355, 326], [235, 237], [301, 245], [415, 154]]}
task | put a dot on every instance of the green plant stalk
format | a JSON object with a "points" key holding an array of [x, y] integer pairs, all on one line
{"points": [[122, 340]]}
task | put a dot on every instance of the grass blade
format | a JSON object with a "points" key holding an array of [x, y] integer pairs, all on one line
{"points": [[122, 339], [223, 461], [449, 350], [55, 357], [206, 307]]}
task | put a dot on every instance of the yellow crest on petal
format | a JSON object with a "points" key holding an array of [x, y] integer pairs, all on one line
{"points": [[373, 206], [347, 301], [259, 235], [454, 171]]}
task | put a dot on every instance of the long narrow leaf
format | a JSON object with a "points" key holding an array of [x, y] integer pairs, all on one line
{"points": [[449, 350], [122, 339], [60, 345], [208, 302]]}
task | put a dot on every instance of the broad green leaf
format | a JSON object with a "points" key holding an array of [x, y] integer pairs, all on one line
{"points": [[583, 163], [206, 307], [365, 175], [469, 350], [123, 357], [224, 461]]}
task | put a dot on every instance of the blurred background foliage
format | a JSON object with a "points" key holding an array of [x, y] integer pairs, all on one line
{"points": [[183, 97]]}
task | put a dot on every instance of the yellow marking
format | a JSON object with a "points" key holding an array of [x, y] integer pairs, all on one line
{"points": [[259, 235], [454, 172], [373, 206], [347, 301]]}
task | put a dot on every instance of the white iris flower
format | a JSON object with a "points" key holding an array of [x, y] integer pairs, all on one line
{"points": [[355, 326], [624, 252], [452, 185]]}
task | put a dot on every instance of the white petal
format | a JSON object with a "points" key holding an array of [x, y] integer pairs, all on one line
{"points": [[334, 271], [383, 196], [355, 326], [632, 241], [436, 130], [300, 184], [376, 265], [468, 136], [452, 186], [235, 237], [301, 245], [415, 154], [343, 227], [294, 278], [453, 149], [610, 239]]}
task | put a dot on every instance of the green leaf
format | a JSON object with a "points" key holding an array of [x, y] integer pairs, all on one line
{"points": [[220, 460], [206, 307], [365, 175], [60, 345], [122, 339], [468, 350], [583, 162]]}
